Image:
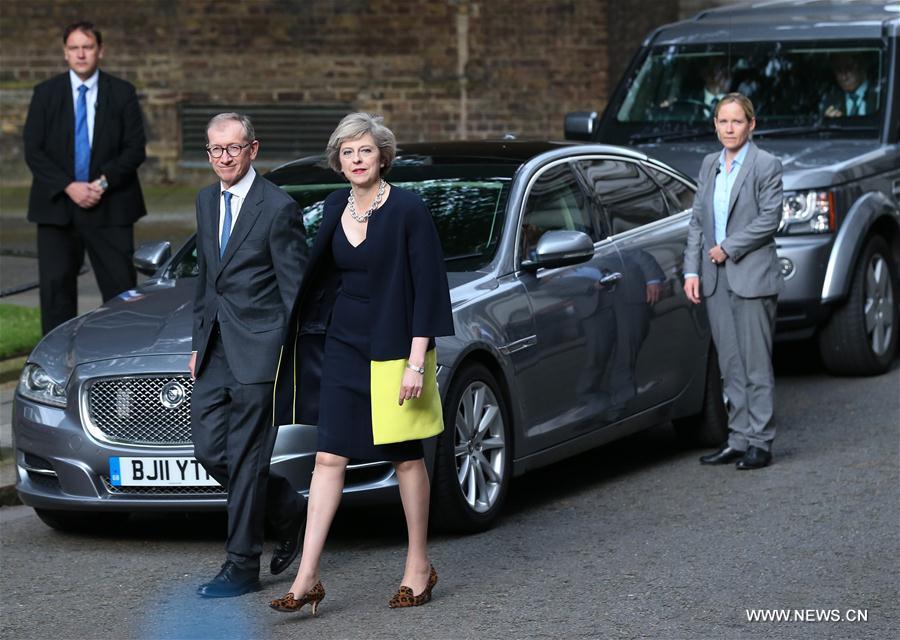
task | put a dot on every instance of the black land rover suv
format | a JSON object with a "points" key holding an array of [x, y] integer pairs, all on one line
{"points": [[825, 80]]}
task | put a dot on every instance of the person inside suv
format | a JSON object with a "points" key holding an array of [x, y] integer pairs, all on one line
{"points": [[852, 94]]}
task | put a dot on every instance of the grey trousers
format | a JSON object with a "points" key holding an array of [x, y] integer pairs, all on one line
{"points": [[231, 425], [742, 331]]}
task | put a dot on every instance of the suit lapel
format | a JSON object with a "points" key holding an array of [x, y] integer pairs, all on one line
{"points": [[68, 111], [749, 159], [250, 211], [99, 118]]}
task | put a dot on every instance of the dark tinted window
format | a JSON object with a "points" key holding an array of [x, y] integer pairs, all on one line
{"points": [[555, 202], [468, 214], [628, 197], [680, 196]]}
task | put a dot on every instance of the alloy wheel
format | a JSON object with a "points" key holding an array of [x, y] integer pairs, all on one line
{"points": [[480, 447], [879, 304]]}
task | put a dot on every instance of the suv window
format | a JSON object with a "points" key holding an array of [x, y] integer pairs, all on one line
{"points": [[555, 202], [628, 197], [822, 85]]}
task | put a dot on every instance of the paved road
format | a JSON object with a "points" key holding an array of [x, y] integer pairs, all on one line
{"points": [[633, 540]]}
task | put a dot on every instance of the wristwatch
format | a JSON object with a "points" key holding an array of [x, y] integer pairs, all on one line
{"points": [[104, 183], [412, 367]]}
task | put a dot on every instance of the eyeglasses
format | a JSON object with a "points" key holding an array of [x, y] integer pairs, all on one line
{"points": [[234, 150]]}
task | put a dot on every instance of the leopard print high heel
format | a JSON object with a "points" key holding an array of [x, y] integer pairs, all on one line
{"points": [[405, 598], [289, 604]]}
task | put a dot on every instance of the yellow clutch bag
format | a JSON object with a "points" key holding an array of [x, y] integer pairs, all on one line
{"points": [[416, 419]]}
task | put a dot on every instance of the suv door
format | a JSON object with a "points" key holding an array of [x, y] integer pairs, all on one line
{"points": [[574, 316]]}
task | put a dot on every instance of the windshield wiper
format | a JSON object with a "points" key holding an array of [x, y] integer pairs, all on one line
{"points": [[815, 128], [681, 134]]}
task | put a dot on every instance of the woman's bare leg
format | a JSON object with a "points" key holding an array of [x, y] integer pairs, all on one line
{"points": [[415, 493]]}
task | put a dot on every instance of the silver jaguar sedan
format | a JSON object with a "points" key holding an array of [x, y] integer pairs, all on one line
{"points": [[572, 330]]}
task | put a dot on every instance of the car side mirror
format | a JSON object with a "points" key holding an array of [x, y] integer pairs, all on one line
{"points": [[580, 125], [150, 257], [559, 249]]}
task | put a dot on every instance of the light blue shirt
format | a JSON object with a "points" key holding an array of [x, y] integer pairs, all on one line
{"points": [[722, 194], [855, 102], [90, 98]]}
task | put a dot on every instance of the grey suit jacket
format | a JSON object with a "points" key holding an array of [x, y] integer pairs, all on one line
{"points": [[250, 289], [754, 213]]}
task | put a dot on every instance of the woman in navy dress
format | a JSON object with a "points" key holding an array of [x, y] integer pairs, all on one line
{"points": [[378, 287]]}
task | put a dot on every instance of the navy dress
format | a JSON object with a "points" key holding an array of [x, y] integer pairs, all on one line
{"points": [[345, 410]]}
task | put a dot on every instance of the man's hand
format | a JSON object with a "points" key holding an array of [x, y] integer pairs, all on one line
{"points": [[84, 194], [192, 365], [717, 255], [654, 292], [833, 112], [692, 289], [98, 184]]}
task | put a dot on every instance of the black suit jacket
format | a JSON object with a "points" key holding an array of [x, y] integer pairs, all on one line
{"points": [[249, 290], [409, 296], [117, 150], [837, 98]]}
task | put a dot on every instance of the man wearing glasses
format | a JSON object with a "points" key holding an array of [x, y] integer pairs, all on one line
{"points": [[84, 141], [251, 256]]}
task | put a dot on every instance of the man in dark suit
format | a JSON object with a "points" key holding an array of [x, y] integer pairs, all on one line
{"points": [[84, 141], [853, 95], [251, 255]]}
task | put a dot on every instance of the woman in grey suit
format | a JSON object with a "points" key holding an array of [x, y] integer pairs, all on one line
{"points": [[730, 261]]}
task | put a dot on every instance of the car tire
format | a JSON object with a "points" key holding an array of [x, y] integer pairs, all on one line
{"points": [[473, 461], [81, 521], [860, 337], [708, 427]]}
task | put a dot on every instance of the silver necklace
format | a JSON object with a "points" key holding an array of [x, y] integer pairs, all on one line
{"points": [[364, 217]]}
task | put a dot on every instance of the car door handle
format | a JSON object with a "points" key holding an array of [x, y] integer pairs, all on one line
{"points": [[609, 279]]}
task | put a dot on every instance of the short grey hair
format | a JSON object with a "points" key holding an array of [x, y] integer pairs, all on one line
{"points": [[356, 125], [231, 116]]}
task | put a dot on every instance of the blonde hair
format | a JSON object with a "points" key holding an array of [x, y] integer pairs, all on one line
{"points": [[740, 99], [356, 125]]}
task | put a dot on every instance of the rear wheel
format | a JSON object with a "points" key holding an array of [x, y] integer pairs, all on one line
{"points": [[81, 521], [473, 463], [708, 427], [860, 338]]}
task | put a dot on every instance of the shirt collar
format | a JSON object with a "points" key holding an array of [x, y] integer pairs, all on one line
{"points": [[77, 82], [738, 159], [860, 90], [242, 187]]}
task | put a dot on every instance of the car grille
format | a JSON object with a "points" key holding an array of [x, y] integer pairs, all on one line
{"points": [[132, 410], [161, 491]]}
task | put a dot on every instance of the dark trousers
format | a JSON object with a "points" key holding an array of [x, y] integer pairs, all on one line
{"points": [[60, 256], [233, 439]]}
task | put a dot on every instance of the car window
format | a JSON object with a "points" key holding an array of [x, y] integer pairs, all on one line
{"points": [[468, 214], [627, 195], [555, 202], [834, 85], [679, 195]]}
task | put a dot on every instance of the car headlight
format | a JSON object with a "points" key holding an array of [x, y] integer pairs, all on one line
{"points": [[36, 384], [807, 212]]}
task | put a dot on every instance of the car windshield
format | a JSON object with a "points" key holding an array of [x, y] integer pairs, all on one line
{"points": [[468, 214], [814, 88]]}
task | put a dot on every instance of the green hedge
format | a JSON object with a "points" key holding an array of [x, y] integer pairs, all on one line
{"points": [[20, 329]]}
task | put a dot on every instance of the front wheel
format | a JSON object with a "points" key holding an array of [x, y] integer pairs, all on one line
{"points": [[860, 338], [473, 463]]}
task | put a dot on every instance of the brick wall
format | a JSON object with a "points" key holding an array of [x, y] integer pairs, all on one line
{"points": [[438, 69]]}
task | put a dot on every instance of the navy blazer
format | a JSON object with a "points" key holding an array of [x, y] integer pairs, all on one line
{"points": [[409, 297], [117, 151]]}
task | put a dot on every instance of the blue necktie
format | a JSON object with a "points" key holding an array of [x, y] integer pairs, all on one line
{"points": [[82, 141], [226, 227]]}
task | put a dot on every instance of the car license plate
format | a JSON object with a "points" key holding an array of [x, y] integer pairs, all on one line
{"points": [[158, 472]]}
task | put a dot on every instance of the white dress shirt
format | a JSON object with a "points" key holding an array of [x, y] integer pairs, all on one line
{"points": [[238, 193], [90, 97]]}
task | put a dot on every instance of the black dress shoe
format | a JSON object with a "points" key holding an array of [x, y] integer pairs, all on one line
{"points": [[231, 581], [289, 548], [755, 458], [723, 456]]}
